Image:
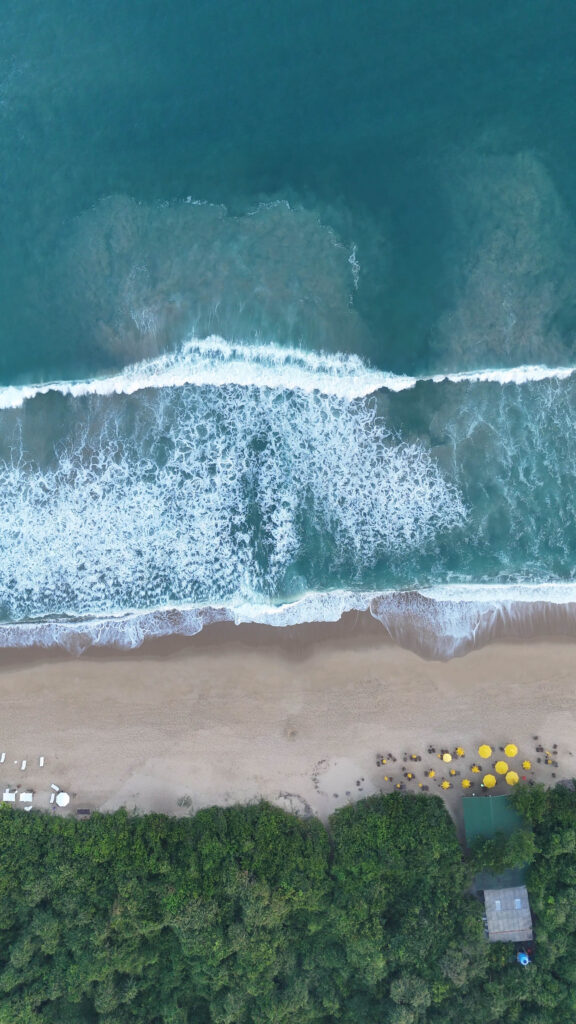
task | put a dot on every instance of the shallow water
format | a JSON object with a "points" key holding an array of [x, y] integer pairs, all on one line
{"points": [[288, 316]]}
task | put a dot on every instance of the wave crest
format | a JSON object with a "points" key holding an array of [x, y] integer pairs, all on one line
{"points": [[214, 361]]}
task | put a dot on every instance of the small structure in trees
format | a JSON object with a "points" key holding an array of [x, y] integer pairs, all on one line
{"points": [[508, 916]]}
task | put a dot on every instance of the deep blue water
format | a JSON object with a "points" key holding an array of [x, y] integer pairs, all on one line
{"points": [[336, 193]]}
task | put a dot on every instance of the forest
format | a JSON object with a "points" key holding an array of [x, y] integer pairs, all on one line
{"points": [[248, 915]]}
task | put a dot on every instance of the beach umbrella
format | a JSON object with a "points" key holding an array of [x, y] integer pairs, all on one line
{"points": [[512, 778], [466, 783], [476, 768], [510, 750], [526, 764], [452, 771], [484, 750], [460, 751], [501, 767], [431, 773], [447, 757], [409, 775], [386, 779], [445, 784], [489, 781]]}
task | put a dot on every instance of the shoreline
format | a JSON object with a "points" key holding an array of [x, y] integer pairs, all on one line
{"points": [[235, 714], [449, 625]]}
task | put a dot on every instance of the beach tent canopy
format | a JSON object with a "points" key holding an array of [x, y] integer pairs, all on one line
{"points": [[512, 778], [489, 781], [501, 767], [510, 750], [484, 750], [484, 818]]}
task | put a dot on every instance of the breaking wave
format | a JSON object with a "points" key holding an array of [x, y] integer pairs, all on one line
{"points": [[216, 362]]}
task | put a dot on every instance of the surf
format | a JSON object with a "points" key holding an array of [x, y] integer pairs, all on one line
{"points": [[215, 361], [206, 494]]}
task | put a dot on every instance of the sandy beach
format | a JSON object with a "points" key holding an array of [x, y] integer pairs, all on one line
{"points": [[296, 716]]}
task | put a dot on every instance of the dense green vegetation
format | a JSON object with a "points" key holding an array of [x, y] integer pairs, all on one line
{"points": [[250, 915]]}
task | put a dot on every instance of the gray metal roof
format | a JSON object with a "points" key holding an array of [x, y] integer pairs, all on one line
{"points": [[508, 914]]}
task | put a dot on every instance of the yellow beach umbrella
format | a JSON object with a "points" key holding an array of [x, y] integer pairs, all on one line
{"points": [[501, 767], [484, 750], [447, 757], [452, 771], [431, 773], [445, 784], [386, 779], [460, 751], [409, 775], [510, 750], [512, 778], [489, 781], [466, 783], [476, 768], [526, 764]]}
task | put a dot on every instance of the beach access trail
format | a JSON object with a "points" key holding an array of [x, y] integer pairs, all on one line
{"points": [[295, 716]]}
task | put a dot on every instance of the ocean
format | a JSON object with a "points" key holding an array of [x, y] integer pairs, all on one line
{"points": [[287, 317]]}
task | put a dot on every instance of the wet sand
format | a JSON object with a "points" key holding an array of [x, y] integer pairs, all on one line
{"points": [[296, 716]]}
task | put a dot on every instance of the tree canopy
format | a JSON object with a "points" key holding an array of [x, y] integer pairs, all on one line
{"points": [[248, 914]]}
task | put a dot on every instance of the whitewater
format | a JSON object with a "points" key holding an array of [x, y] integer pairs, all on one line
{"points": [[256, 483], [216, 361]]}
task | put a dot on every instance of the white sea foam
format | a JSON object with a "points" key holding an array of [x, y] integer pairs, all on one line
{"points": [[506, 375], [438, 622], [495, 593], [216, 362], [204, 495]]}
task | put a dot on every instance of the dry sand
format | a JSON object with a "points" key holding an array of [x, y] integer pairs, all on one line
{"points": [[295, 716]]}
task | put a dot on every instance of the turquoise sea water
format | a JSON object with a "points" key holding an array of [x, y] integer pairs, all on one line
{"points": [[287, 311]]}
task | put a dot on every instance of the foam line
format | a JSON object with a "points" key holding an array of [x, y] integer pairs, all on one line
{"points": [[217, 362], [454, 613]]}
